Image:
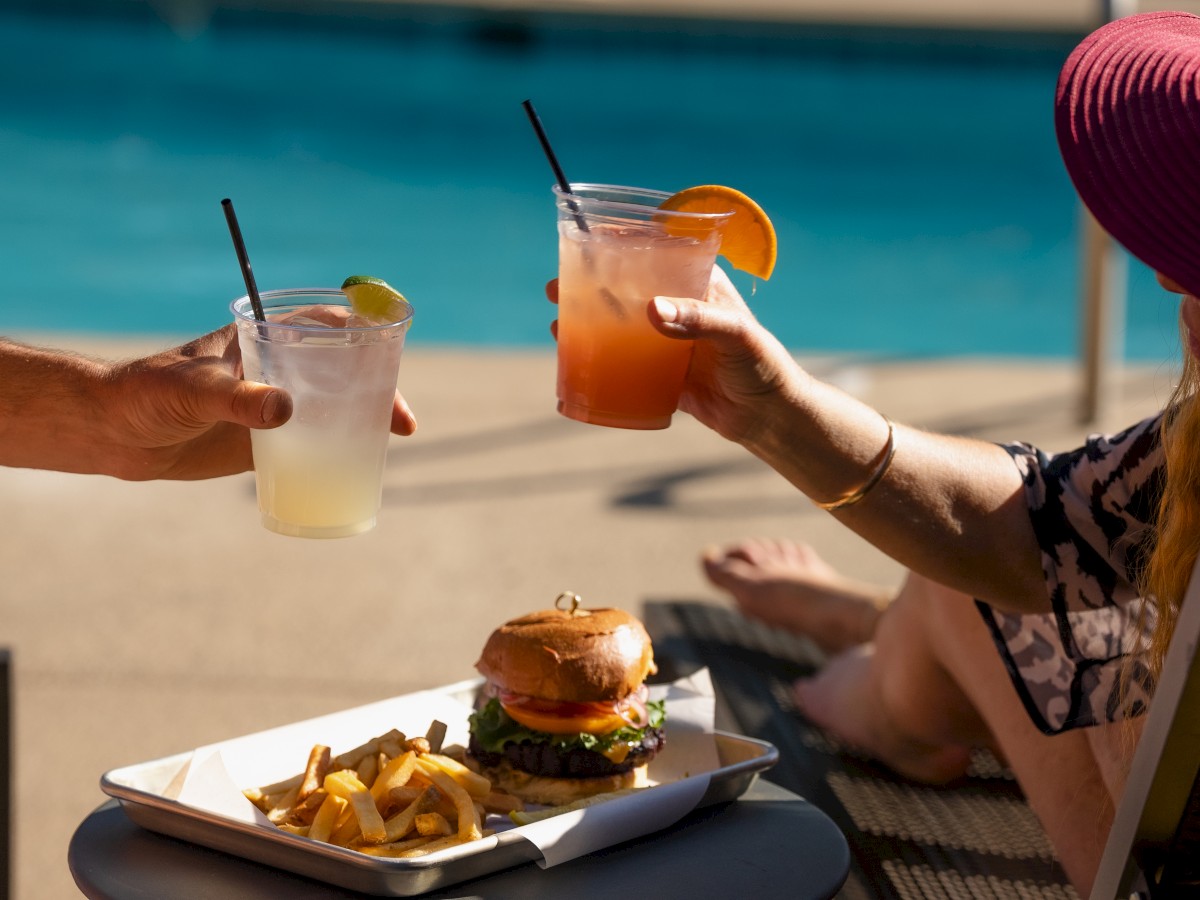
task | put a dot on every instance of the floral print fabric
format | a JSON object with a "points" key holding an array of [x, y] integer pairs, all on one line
{"points": [[1092, 510]]}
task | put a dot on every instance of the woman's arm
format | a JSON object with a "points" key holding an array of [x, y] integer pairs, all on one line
{"points": [[949, 508]]}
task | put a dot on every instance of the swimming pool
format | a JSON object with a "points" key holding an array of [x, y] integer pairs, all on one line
{"points": [[920, 203]]}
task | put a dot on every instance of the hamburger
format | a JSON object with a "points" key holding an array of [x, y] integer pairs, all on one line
{"points": [[564, 713]]}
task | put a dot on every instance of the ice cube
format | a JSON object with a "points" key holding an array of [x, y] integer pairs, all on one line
{"points": [[304, 321], [319, 316]]}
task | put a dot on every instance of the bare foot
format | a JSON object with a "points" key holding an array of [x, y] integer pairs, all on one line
{"points": [[846, 700], [787, 584]]}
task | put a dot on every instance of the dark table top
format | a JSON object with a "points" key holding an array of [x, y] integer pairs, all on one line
{"points": [[770, 843]]}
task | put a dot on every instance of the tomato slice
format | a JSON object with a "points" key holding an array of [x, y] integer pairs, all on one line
{"points": [[559, 717]]}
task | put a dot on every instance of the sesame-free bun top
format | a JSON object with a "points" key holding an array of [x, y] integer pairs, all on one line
{"points": [[580, 656]]}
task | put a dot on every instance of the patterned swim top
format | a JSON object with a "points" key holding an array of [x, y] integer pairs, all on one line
{"points": [[1092, 511]]}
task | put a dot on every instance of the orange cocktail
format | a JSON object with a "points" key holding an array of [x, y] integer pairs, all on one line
{"points": [[617, 251]]}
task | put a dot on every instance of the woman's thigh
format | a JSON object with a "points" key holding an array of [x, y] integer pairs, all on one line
{"points": [[948, 679]]}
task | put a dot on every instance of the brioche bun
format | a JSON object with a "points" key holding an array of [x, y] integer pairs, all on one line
{"points": [[578, 656]]}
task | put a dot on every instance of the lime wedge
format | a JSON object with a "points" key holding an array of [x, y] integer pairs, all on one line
{"points": [[373, 298], [525, 817]]}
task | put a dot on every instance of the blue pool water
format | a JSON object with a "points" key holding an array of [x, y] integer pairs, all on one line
{"points": [[919, 200]]}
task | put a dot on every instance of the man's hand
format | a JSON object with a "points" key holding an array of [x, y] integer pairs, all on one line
{"points": [[184, 413]]}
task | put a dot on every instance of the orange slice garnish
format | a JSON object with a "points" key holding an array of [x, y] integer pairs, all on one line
{"points": [[748, 239]]}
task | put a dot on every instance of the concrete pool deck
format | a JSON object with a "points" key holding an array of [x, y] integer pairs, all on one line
{"points": [[1060, 16], [1014, 15], [147, 619]]}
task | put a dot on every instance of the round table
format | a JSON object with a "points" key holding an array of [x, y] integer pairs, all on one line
{"points": [[769, 843]]}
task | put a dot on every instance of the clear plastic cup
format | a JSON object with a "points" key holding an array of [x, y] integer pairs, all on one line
{"points": [[320, 475], [617, 251]]}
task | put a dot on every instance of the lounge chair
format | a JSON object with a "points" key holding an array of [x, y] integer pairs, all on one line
{"points": [[976, 838], [1154, 846]]}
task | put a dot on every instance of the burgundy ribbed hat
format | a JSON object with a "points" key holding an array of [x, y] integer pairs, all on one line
{"points": [[1127, 113]]}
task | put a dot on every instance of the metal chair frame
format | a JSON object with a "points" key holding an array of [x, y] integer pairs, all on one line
{"points": [[1153, 849]]}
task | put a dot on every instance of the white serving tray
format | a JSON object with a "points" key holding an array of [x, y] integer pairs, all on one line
{"points": [[146, 792]]}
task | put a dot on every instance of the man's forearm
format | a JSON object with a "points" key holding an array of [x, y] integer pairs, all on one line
{"points": [[50, 409]]}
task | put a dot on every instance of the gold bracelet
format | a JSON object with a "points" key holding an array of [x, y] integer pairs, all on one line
{"points": [[853, 497]]}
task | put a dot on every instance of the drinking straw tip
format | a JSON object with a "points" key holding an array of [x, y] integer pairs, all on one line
{"points": [[239, 246], [552, 158], [536, 122]]}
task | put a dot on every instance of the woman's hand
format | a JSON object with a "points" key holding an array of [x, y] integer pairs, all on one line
{"points": [[738, 368]]}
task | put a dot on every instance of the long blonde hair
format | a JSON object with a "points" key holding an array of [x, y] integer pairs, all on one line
{"points": [[1177, 544]]}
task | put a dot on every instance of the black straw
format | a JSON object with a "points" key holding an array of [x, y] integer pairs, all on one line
{"points": [[243, 259], [559, 175]]}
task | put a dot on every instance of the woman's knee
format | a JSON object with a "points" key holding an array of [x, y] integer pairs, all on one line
{"points": [[924, 611], [926, 624]]}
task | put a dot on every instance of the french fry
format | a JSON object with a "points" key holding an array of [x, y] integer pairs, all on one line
{"points": [[417, 745], [419, 778], [475, 784], [431, 846], [258, 798], [396, 849], [469, 825], [392, 746], [280, 788], [496, 802], [306, 810], [432, 824], [351, 800], [402, 796], [345, 784], [267, 802], [435, 735], [351, 758], [395, 774], [368, 768], [437, 844], [402, 823], [315, 771], [282, 807], [346, 832], [326, 818]]}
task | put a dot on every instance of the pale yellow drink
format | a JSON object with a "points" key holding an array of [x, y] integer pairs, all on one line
{"points": [[313, 484], [320, 475]]}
